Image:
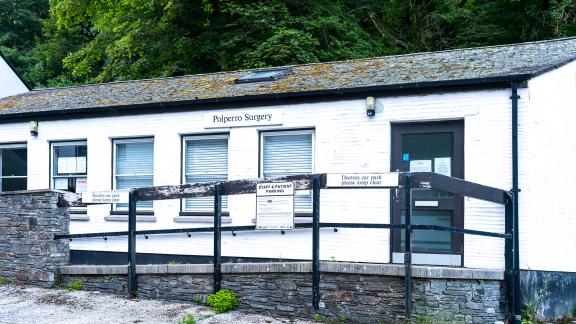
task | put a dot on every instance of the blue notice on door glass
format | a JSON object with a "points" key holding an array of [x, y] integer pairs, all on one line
{"points": [[405, 157]]}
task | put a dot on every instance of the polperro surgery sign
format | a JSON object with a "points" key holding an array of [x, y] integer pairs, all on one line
{"points": [[105, 197], [243, 118], [275, 206]]}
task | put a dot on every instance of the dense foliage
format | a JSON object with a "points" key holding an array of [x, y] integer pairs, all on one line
{"points": [[222, 301], [64, 42]]}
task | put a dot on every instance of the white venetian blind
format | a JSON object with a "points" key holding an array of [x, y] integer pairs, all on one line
{"points": [[289, 154], [206, 160], [134, 167]]}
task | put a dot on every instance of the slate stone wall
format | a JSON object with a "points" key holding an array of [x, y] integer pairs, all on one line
{"points": [[470, 301], [356, 297], [552, 293], [28, 222]]}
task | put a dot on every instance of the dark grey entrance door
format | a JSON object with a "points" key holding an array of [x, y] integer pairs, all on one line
{"points": [[429, 147]]}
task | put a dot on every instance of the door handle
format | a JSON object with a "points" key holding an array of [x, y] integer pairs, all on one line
{"points": [[426, 203]]}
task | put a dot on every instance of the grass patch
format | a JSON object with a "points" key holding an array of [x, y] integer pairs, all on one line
{"points": [[75, 285], [187, 319]]}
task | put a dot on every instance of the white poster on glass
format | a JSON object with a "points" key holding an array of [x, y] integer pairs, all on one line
{"points": [[421, 166], [443, 166], [66, 165], [81, 164], [81, 185]]}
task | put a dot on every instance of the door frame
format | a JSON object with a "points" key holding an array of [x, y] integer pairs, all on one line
{"points": [[396, 205]]}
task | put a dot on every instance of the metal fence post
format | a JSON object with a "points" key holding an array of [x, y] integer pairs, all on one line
{"points": [[408, 248], [132, 283], [217, 236], [509, 255], [517, 297], [316, 241]]}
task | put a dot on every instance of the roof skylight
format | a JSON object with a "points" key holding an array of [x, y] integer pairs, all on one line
{"points": [[267, 75]]}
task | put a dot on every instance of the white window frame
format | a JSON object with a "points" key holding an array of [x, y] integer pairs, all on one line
{"points": [[53, 145], [312, 132], [10, 146], [185, 139], [116, 141]]}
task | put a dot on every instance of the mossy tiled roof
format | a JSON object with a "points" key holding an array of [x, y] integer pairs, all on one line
{"points": [[525, 59]]}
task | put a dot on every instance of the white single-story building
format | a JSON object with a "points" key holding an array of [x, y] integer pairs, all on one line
{"points": [[452, 112]]}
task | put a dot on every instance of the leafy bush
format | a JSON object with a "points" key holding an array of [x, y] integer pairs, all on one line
{"points": [[223, 301], [528, 313], [187, 319], [4, 281], [75, 285]]}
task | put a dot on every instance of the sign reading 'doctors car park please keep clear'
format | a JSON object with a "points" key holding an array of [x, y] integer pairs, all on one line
{"points": [[362, 180], [105, 197], [240, 118], [275, 206]]}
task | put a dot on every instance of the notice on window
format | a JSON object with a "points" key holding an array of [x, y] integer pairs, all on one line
{"points": [[275, 206], [81, 164], [443, 166], [66, 165], [105, 197], [81, 185], [382, 180], [421, 166], [70, 165]]}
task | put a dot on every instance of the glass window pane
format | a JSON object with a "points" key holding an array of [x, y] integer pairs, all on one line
{"points": [[134, 182], [289, 154], [429, 147], [206, 160], [14, 162], [69, 160], [13, 184], [134, 168], [135, 158], [429, 241]]}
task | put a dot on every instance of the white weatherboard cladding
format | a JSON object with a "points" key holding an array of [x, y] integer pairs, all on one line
{"points": [[345, 141], [548, 222], [10, 83]]}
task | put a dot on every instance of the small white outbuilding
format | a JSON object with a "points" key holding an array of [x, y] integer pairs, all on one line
{"points": [[11, 83]]}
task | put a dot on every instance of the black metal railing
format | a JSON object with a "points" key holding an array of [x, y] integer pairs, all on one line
{"points": [[316, 182]]}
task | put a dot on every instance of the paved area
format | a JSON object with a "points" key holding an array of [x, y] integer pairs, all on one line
{"points": [[19, 304]]}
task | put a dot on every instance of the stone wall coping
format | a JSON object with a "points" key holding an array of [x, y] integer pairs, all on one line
{"points": [[29, 192], [397, 270]]}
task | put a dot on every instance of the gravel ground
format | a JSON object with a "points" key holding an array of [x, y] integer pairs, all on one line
{"points": [[19, 304]]}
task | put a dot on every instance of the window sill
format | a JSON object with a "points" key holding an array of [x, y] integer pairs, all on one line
{"points": [[297, 220], [124, 218], [79, 217], [201, 219], [139, 212]]}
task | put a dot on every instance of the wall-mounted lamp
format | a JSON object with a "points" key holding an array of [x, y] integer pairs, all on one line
{"points": [[33, 128], [370, 106]]}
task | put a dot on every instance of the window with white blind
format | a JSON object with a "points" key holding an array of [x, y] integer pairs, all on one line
{"points": [[205, 160], [289, 153], [134, 167], [13, 167]]}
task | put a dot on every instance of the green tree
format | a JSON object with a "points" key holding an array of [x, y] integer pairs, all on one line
{"points": [[20, 27], [64, 42]]}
